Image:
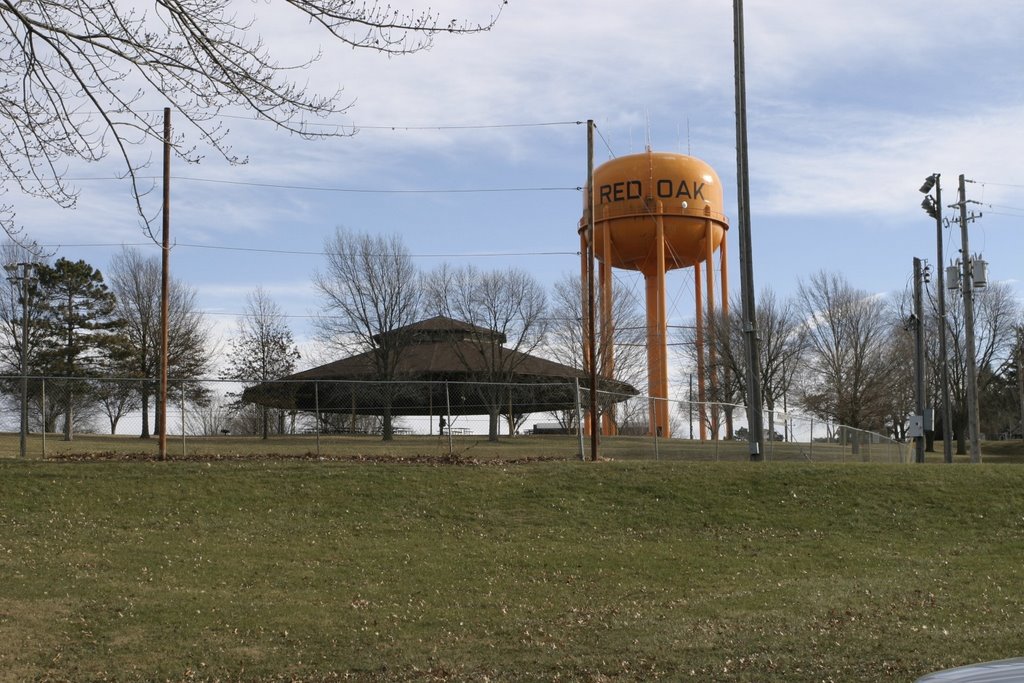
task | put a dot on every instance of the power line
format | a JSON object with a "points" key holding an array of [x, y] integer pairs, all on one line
{"points": [[985, 182], [298, 252], [355, 126], [483, 254], [447, 126], [353, 190], [1003, 206], [483, 126], [607, 146]]}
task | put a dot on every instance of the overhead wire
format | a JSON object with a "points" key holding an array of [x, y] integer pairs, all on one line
{"points": [[393, 127], [353, 190], [1018, 211], [300, 252], [1012, 211], [607, 146], [353, 126], [450, 126], [986, 182], [485, 126]]}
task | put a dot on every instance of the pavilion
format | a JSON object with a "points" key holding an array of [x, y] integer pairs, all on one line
{"points": [[445, 367]]}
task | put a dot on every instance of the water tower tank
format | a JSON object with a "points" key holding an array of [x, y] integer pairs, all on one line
{"points": [[632, 191]]}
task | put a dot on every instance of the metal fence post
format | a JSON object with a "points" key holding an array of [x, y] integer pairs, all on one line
{"points": [[316, 406], [657, 429], [579, 418], [43, 430], [448, 410], [184, 448], [717, 440]]}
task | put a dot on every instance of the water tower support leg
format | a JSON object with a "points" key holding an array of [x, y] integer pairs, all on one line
{"points": [[724, 279], [702, 393], [709, 258], [584, 306], [607, 344], [657, 339]]}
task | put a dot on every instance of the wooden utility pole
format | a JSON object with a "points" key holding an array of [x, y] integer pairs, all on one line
{"points": [[595, 423], [165, 287], [919, 382], [967, 287]]}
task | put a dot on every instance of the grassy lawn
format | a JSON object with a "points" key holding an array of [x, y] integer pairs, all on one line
{"points": [[613, 571]]}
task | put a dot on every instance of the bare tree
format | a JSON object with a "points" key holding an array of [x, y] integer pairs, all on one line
{"points": [[508, 311], [783, 340], [78, 76], [263, 350], [370, 293], [135, 282], [625, 342], [213, 418], [117, 397], [901, 400], [849, 355], [996, 315], [12, 289]]}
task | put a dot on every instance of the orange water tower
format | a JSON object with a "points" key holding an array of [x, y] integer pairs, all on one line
{"points": [[655, 212]]}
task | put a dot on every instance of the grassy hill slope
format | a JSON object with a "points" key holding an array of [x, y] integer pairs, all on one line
{"points": [[278, 570]]}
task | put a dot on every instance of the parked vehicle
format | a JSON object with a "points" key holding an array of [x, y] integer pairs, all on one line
{"points": [[1000, 671]]}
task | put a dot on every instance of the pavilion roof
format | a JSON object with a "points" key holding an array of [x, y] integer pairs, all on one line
{"points": [[440, 350]]}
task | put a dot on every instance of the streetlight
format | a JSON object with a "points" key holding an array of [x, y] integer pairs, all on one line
{"points": [[23, 273], [933, 207]]}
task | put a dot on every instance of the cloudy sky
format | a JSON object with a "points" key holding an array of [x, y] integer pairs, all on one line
{"points": [[850, 105]]}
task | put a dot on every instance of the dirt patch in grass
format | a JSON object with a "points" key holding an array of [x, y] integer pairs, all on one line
{"points": [[422, 459]]}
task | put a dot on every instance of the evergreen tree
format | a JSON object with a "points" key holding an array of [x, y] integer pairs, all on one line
{"points": [[78, 329]]}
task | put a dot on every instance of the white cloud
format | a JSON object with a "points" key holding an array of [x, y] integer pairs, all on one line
{"points": [[859, 161], [851, 104]]}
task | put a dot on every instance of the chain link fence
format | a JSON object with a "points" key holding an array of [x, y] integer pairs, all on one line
{"points": [[325, 418]]}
